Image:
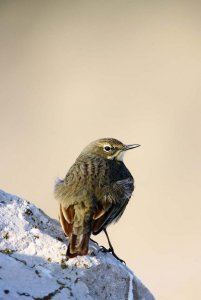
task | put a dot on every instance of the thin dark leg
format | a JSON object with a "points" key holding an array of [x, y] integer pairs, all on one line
{"points": [[111, 249], [93, 241]]}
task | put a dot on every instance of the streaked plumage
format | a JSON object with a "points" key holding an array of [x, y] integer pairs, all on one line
{"points": [[94, 193]]}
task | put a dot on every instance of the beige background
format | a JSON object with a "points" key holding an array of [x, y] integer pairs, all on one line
{"points": [[75, 71]]}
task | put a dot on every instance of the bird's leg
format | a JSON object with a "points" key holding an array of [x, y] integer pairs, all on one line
{"points": [[93, 241], [111, 249]]}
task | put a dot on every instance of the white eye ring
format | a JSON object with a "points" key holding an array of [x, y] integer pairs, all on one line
{"points": [[107, 148]]}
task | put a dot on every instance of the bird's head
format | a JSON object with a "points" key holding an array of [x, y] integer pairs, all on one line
{"points": [[108, 148]]}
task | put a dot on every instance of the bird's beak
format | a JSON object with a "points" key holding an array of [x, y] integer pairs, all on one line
{"points": [[128, 147]]}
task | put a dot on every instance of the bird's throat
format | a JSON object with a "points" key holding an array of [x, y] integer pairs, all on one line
{"points": [[117, 156]]}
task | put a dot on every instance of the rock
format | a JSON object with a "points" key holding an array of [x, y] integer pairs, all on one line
{"points": [[33, 263]]}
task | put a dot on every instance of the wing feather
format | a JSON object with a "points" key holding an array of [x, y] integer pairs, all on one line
{"points": [[116, 196]]}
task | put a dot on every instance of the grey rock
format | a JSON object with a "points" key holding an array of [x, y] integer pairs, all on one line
{"points": [[33, 263]]}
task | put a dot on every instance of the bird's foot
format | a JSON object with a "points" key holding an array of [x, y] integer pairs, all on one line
{"points": [[111, 250], [103, 249]]}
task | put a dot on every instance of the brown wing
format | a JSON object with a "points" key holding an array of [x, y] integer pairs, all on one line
{"points": [[66, 216], [115, 199]]}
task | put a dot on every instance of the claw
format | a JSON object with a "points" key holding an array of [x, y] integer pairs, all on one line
{"points": [[114, 254], [103, 249], [110, 250]]}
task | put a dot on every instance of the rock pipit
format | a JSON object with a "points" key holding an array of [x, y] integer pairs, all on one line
{"points": [[94, 193]]}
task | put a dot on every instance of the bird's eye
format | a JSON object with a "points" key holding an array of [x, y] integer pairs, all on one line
{"points": [[107, 148]]}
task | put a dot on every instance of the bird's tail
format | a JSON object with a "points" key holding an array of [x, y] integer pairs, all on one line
{"points": [[78, 235], [78, 245]]}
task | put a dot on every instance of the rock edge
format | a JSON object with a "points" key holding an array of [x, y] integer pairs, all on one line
{"points": [[33, 263]]}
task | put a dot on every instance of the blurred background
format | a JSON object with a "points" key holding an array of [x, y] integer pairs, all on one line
{"points": [[75, 71]]}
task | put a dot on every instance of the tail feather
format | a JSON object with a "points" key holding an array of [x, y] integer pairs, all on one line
{"points": [[78, 245], [78, 241], [66, 226]]}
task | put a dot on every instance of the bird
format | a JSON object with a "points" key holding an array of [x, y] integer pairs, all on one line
{"points": [[94, 193]]}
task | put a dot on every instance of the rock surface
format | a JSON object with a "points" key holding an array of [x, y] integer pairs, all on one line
{"points": [[33, 264]]}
